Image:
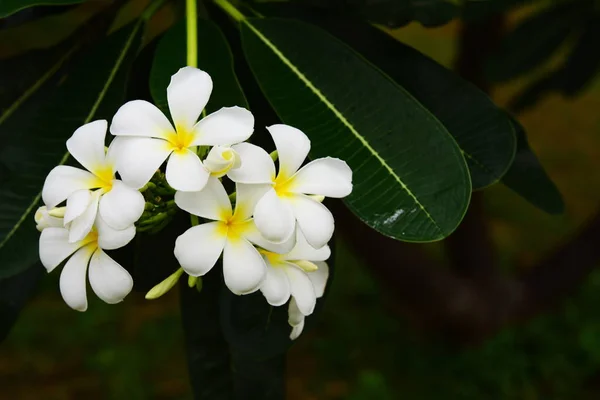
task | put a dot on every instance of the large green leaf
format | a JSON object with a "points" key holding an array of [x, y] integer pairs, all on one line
{"points": [[214, 57], [8, 7], [527, 178], [410, 178], [35, 138], [483, 131]]}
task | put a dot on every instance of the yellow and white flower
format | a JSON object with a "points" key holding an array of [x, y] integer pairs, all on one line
{"points": [[108, 279], [222, 159], [92, 191], [287, 199], [230, 233], [146, 138]]}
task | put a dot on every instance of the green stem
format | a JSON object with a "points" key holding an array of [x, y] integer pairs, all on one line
{"points": [[194, 219], [191, 14], [230, 9]]}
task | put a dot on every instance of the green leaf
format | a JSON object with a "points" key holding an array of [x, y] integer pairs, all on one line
{"points": [[410, 179], [14, 293], [214, 57], [532, 42], [528, 179], [483, 131], [8, 7], [35, 138]]}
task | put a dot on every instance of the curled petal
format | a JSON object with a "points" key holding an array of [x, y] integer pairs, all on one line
{"points": [[122, 206], [297, 330], [185, 171], [304, 251], [212, 202], [221, 159], [187, 95], [314, 219], [199, 248], [274, 218], [295, 316], [330, 177], [44, 220], [82, 225], [108, 279], [301, 288], [226, 126], [276, 287], [63, 181], [141, 118], [256, 165], [319, 278], [77, 203], [73, 279], [243, 267], [138, 158], [292, 147], [87, 144], [54, 247]]}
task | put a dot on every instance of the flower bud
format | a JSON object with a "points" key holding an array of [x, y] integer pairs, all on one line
{"points": [[221, 159], [46, 219]]}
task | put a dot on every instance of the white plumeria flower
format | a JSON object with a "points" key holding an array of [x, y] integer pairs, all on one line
{"points": [[286, 201], [146, 138], [44, 220], [118, 204], [108, 279], [295, 314], [230, 233], [222, 159]]}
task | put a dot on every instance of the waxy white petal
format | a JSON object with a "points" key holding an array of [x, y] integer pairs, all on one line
{"points": [[302, 289], [199, 248], [87, 144], [330, 177], [226, 126], [295, 316], [221, 159], [54, 247], [253, 235], [77, 203], [185, 171], [110, 238], [187, 95], [304, 251], [243, 267], [137, 158], [110, 281], [63, 181], [122, 206], [314, 220], [247, 196], [44, 220], [73, 278], [292, 148], [297, 330], [276, 287], [83, 224], [141, 118], [212, 202], [257, 165], [319, 278], [274, 217]]}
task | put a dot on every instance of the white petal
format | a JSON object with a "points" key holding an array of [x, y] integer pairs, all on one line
{"points": [[292, 148], [276, 287], [55, 247], [227, 126], [44, 220], [141, 118], [185, 171], [83, 224], [72, 279], [63, 181], [108, 279], [87, 144], [137, 158], [243, 267], [314, 219], [295, 316], [122, 206], [297, 330], [77, 203], [301, 288], [199, 248], [319, 278], [274, 218], [212, 202], [221, 159], [246, 198], [110, 238], [304, 251], [187, 94], [329, 177], [257, 165], [253, 235]]}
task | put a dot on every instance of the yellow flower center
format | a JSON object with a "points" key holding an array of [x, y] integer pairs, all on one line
{"points": [[181, 140], [283, 185], [103, 177], [274, 259], [91, 237]]}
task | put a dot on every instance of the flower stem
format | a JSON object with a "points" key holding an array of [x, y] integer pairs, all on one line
{"points": [[192, 32], [230, 9]]}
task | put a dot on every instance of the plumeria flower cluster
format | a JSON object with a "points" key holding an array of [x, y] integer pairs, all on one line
{"points": [[271, 233]]}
